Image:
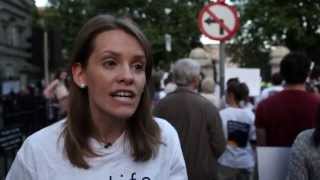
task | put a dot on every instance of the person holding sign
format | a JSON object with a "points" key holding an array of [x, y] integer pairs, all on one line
{"points": [[109, 132], [237, 161]]}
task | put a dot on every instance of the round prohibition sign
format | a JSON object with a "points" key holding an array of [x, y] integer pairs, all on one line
{"points": [[218, 21]]}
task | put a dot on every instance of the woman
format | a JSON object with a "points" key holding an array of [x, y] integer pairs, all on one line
{"points": [[304, 161], [109, 132], [237, 162], [57, 90], [207, 87]]}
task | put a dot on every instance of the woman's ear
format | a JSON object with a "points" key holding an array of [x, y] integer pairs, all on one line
{"points": [[79, 75]]}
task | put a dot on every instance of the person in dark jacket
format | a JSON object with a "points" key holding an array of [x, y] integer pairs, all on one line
{"points": [[196, 120]]}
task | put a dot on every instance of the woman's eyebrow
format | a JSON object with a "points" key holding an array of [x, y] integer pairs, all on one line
{"points": [[110, 52], [139, 57]]}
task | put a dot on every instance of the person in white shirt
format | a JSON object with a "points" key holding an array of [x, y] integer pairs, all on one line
{"points": [[109, 133], [276, 87], [57, 90], [208, 87], [237, 162]]}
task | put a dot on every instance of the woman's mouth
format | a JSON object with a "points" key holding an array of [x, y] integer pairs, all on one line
{"points": [[125, 96]]}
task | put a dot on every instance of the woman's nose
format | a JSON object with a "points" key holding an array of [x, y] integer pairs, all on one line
{"points": [[126, 75]]}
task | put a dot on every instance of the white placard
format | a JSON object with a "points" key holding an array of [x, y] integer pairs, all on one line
{"points": [[273, 162], [250, 76]]}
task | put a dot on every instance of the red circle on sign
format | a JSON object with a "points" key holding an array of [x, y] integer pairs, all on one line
{"points": [[206, 9]]}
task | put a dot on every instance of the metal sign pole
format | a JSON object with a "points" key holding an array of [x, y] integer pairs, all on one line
{"points": [[221, 66], [46, 74], [219, 21], [46, 58]]}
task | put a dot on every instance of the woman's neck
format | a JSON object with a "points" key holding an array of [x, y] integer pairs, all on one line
{"points": [[233, 103], [107, 129]]}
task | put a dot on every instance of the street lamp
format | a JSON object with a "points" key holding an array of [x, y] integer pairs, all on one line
{"points": [[167, 36], [168, 40], [45, 52]]}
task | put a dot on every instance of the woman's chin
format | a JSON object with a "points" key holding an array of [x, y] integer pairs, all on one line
{"points": [[123, 113]]}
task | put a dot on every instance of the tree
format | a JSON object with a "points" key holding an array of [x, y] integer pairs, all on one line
{"points": [[291, 23], [157, 18]]}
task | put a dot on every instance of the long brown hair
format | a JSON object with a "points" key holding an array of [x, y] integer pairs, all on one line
{"points": [[142, 131]]}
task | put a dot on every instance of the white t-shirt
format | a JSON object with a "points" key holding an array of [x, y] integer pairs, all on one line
{"points": [[61, 91], [41, 158], [269, 92], [239, 129]]}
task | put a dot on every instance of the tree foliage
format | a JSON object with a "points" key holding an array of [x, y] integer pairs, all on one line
{"points": [[156, 18], [290, 23]]}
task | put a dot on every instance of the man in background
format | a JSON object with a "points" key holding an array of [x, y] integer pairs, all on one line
{"points": [[282, 116], [196, 120]]}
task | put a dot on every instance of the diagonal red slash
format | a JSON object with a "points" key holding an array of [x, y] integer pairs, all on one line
{"points": [[221, 23]]}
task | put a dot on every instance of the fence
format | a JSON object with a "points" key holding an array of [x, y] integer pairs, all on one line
{"points": [[22, 115]]}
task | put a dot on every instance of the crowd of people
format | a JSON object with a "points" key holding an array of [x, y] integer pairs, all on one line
{"points": [[25, 109], [120, 120], [36, 99]]}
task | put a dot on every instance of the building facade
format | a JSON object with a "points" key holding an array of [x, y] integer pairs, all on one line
{"points": [[15, 45], [277, 53]]}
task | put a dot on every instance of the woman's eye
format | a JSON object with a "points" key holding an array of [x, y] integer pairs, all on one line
{"points": [[109, 63], [139, 66]]}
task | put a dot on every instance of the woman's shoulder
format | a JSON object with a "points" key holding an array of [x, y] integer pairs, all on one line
{"points": [[46, 138], [234, 111], [50, 130], [41, 145], [163, 123], [170, 142], [167, 130]]}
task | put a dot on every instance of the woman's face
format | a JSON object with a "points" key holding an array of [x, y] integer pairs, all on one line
{"points": [[63, 75], [115, 75]]}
